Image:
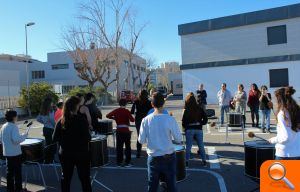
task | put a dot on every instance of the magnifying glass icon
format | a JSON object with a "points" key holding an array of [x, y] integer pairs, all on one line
{"points": [[277, 172]]}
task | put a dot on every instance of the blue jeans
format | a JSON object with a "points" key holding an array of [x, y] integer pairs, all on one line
{"points": [[287, 158], [162, 165], [189, 134], [224, 108], [265, 118]]}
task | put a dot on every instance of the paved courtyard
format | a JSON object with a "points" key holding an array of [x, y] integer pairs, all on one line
{"points": [[224, 172]]}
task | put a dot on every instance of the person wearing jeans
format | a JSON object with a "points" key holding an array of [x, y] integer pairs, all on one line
{"points": [[157, 130], [265, 119], [165, 164], [224, 97], [194, 117], [198, 134], [46, 117], [265, 109]]}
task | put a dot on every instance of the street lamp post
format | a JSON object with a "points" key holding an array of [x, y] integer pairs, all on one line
{"points": [[27, 71]]}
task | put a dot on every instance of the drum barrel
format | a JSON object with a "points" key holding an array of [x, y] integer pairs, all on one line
{"points": [[180, 166], [235, 120], [33, 152], [105, 127], [255, 156], [180, 163], [99, 152]]}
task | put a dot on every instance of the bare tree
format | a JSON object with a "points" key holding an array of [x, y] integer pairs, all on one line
{"points": [[150, 64], [77, 43], [134, 32], [94, 13]]}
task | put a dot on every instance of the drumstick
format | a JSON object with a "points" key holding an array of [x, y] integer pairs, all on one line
{"points": [[28, 127], [251, 135]]}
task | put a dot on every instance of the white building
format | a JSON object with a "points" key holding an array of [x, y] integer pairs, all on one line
{"points": [[261, 47], [60, 72], [175, 82], [12, 78]]}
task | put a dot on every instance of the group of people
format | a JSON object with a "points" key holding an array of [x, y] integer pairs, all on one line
{"points": [[287, 140], [258, 100], [70, 126]]}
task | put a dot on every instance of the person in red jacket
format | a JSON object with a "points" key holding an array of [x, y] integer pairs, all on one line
{"points": [[253, 103], [59, 112], [123, 117]]}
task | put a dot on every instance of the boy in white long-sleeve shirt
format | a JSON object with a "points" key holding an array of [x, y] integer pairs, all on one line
{"points": [[158, 130], [11, 139]]}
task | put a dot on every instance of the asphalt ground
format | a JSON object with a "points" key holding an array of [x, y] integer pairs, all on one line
{"points": [[224, 172]]}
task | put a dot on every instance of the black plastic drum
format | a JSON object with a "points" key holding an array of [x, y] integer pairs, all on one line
{"points": [[180, 164], [32, 150], [256, 153], [105, 127], [99, 151], [235, 119]]}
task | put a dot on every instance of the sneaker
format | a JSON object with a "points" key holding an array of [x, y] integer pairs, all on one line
{"points": [[269, 130], [264, 130], [128, 165]]}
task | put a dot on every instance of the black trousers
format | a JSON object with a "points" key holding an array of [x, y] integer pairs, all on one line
{"points": [[138, 145], [123, 138], [82, 163], [14, 173], [254, 114], [51, 147]]}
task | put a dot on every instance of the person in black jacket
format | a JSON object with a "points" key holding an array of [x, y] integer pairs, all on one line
{"points": [[141, 108], [193, 119], [90, 103], [72, 134], [201, 97]]}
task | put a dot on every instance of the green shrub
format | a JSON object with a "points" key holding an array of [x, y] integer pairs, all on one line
{"points": [[37, 93]]}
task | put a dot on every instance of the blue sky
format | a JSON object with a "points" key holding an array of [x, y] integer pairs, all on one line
{"points": [[160, 39]]}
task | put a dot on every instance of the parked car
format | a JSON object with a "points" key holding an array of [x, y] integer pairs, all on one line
{"points": [[128, 96]]}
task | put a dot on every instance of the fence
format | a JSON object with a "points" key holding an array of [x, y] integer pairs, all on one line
{"points": [[9, 94]]}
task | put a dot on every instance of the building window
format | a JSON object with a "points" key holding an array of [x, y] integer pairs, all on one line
{"points": [[279, 77], [60, 66], [277, 35], [67, 88], [38, 74]]}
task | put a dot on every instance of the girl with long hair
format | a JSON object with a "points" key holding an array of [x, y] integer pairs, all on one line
{"points": [[73, 136], [193, 119], [84, 110], [140, 108], [265, 108], [288, 133], [253, 104], [46, 117]]}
